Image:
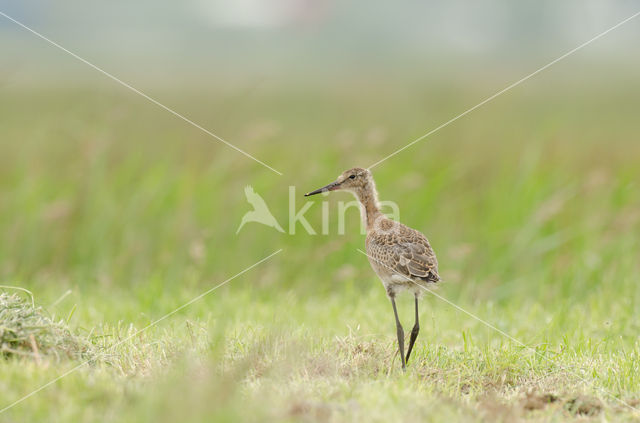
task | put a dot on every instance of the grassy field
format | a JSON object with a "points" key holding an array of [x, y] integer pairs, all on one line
{"points": [[114, 213]]}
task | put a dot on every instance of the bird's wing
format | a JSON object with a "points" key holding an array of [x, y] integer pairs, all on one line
{"points": [[418, 258], [406, 252]]}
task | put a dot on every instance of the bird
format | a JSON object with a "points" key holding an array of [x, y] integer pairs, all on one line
{"points": [[401, 256], [260, 212]]}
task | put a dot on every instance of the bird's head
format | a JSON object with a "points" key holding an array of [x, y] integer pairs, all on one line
{"points": [[355, 180]]}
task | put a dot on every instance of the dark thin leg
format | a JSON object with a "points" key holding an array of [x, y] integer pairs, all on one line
{"points": [[400, 333], [414, 333]]}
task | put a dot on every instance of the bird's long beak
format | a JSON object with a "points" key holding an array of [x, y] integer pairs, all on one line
{"points": [[331, 187]]}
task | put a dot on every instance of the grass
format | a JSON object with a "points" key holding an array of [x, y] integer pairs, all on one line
{"points": [[27, 331], [531, 204]]}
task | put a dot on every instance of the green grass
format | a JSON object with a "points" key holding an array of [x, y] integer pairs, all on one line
{"points": [[530, 202]]}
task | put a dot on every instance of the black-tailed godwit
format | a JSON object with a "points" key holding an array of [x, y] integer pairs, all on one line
{"points": [[401, 257]]}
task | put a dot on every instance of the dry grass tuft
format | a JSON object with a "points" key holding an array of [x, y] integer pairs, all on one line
{"points": [[26, 331]]}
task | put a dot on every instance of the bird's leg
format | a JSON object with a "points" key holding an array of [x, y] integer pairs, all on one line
{"points": [[414, 332], [400, 333]]}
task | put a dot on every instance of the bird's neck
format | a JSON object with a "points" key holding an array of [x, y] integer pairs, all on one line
{"points": [[370, 207]]}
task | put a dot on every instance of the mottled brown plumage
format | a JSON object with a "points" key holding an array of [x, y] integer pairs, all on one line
{"points": [[401, 257]]}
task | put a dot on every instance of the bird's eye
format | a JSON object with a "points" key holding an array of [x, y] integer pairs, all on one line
{"points": [[352, 176]]}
